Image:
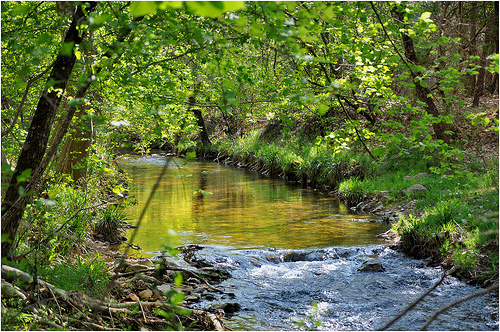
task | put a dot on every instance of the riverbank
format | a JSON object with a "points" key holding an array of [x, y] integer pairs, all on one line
{"points": [[447, 220], [140, 294]]}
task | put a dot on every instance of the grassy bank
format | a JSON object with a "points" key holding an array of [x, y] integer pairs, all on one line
{"points": [[453, 220]]}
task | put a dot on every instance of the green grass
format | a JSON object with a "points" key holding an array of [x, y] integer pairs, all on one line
{"points": [[351, 191], [457, 219], [86, 275], [110, 224]]}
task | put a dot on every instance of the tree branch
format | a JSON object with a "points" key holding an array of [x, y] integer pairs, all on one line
{"points": [[417, 301], [456, 302]]}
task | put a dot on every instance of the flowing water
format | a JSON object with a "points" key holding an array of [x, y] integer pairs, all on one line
{"points": [[293, 253]]}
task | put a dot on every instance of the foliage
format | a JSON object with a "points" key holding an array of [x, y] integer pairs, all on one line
{"points": [[86, 275], [351, 191], [111, 224], [355, 108], [15, 320]]}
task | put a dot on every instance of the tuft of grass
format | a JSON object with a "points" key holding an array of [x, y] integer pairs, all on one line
{"points": [[110, 226], [88, 276], [352, 191]]}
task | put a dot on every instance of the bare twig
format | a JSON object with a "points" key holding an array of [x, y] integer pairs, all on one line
{"points": [[55, 299], [417, 301], [391, 41], [456, 302], [355, 128], [32, 80], [142, 309]]}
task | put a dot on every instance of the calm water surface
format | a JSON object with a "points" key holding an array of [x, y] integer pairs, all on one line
{"points": [[243, 209], [286, 248]]}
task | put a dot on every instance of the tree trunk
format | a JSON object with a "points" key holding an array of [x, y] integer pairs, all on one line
{"points": [[34, 147], [76, 148], [205, 140], [492, 87], [478, 92], [423, 93], [472, 48]]}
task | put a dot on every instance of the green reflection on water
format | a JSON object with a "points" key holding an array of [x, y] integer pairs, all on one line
{"points": [[244, 209]]}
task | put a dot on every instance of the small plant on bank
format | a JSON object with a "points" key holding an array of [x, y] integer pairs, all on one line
{"points": [[351, 191], [110, 226], [86, 275]]}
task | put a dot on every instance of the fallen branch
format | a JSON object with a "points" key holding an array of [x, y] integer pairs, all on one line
{"points": [[456, 302], [417, 301], [8, 290]]}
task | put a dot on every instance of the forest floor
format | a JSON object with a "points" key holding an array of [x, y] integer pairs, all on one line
{"points": [[142, 294]]}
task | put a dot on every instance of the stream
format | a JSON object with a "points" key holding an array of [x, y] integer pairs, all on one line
{"points": [[293, 253]]}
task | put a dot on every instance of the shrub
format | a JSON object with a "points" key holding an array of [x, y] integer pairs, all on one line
{"points": [[110, 226], [351, 191]]}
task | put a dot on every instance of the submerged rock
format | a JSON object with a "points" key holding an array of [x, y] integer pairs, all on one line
{"points": [[372, 265]]}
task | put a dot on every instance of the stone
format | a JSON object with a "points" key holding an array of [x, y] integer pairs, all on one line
{"points": [[415, 188], [379, 207], [136, 267], [230, 307], [372, 265], [192, 297], [163, 288], [209, 271], [145, 294]]}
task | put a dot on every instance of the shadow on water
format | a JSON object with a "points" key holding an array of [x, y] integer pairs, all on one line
{"points": [[242, 209], [287, 247]]}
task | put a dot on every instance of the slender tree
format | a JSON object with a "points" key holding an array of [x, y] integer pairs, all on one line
{"points": [[34, 147]]}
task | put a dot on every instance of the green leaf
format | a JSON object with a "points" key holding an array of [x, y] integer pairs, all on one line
{"points": [[5, 237], [183, 311], [177, 298], [24, 176], [67, 48], [191, 155], [322, 109], [423, 83], [378, 152], [178, 279], [214, 8], [141, 8], [456, 57], [99, 20], [170, 4]]}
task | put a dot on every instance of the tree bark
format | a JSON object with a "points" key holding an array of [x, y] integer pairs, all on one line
{"points": [[76, 148], [34, 147], [492, 87], [205, 140], [472, 48], [423, 93]]}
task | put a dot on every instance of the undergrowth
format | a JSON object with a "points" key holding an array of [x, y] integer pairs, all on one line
{"points": [[457, 213]]}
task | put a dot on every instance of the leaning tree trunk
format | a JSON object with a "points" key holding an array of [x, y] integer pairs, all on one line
{"points": [[472, 49], [479, 88], [205, 140], [423, 93], [76, 148], [14, 204], [494, 81]]}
